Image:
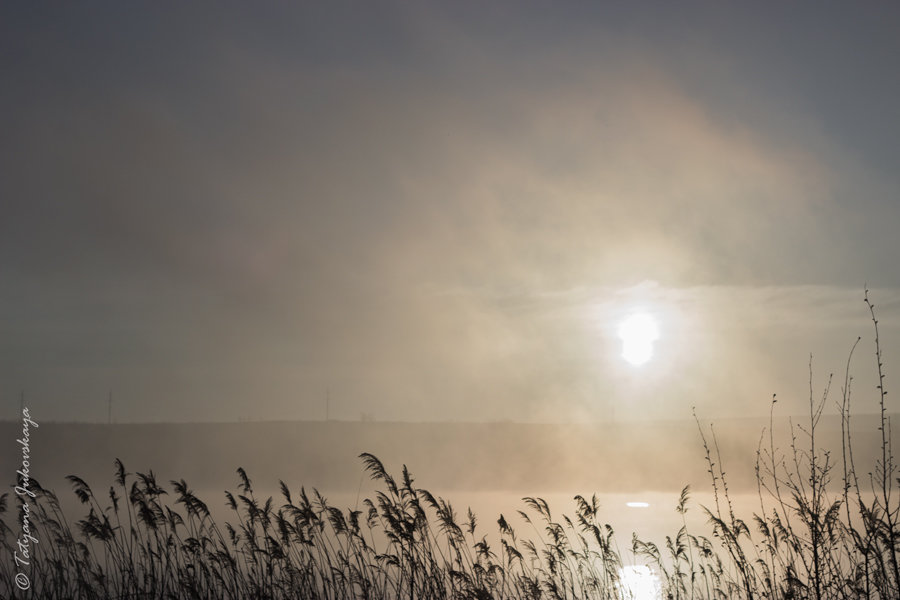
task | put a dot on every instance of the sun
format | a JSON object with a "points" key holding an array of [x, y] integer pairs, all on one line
{"points": [[638, 332]]}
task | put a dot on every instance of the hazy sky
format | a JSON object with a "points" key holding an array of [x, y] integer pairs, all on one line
{"points": [[443, 210]]}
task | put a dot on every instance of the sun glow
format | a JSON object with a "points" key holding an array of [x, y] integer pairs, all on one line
{"points": [[638, 332], [639, 583]]}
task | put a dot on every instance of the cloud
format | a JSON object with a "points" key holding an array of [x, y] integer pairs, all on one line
{"points": [[420, 217]]}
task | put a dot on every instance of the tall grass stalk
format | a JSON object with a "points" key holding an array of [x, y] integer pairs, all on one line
{"points": [[142, 539]]}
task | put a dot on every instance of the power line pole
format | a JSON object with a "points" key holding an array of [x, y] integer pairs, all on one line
{"points": [[327, 402], [109, 409], [22, 403]]}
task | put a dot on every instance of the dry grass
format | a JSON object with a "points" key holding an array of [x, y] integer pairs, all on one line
{"points": [[142, 540]]}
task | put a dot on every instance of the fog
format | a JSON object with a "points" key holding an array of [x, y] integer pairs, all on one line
{"points": [[439, 212], [488, 467]]}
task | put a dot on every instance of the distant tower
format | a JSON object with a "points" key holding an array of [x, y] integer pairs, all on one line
{"points": [[327, 402], [109, 409]]}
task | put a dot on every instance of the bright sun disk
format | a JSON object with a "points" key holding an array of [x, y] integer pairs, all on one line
{"points": [[638, 332]]}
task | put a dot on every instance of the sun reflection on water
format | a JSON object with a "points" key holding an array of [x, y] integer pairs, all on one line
{"points": [[639, 583]]}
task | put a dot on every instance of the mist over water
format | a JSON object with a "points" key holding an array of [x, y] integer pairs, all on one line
{"points": [[486, 467], [527, 238]]}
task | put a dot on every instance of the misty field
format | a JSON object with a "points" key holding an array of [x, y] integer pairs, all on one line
{"points": [[826, 527]]}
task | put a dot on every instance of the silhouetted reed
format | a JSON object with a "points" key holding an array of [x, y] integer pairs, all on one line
{"points": [[143, 540]]}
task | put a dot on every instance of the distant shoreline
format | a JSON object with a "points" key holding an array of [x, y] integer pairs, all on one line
{"points": [[629, 421], [610, 457]]}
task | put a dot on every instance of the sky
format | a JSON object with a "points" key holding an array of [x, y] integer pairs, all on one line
{"points": [[443, 211]]}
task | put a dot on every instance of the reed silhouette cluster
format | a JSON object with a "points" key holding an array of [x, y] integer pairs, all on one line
{"points": [[822, 531]]}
